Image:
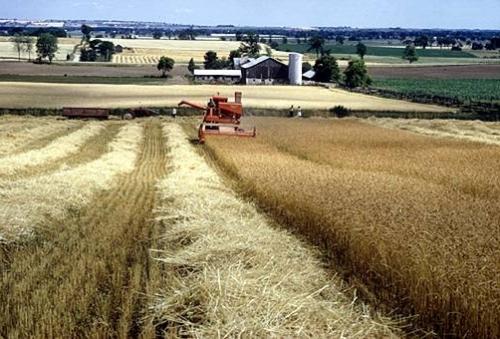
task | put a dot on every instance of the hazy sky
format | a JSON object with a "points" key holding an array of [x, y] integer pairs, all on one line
{"points": [[303, 13]]}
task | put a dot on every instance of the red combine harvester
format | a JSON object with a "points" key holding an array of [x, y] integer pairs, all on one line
{"points": [[221, 117]]}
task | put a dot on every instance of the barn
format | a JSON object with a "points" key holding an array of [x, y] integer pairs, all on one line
{"points": [[264, 70]]}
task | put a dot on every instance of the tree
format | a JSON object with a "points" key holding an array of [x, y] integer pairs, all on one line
{"points": [[106, 50], [410, 54], [86, 31], [29, 46], [191, 66], [422, 41], [211, 60], [316, 43], [274, 45], [361, 50], [239, 36], [356, 74], [340, 39], [165, 65], [269, 51], [477, 46], [327, 69], [18, 41], [46, 46], [157, 34], [233, 54], [250, 46], [306, 67], [284, 40]]}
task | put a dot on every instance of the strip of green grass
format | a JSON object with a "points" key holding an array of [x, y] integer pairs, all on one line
{"points": [[466, 90], [378, 51]]}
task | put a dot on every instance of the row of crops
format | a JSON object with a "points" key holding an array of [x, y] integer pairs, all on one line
{"points": [[462, 90], [378, 51]]}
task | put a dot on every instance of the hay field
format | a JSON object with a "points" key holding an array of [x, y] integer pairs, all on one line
{"points": [[148, 51], [280, 97], [414, 218]]}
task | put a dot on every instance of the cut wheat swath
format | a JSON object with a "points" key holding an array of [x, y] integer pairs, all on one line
{"points": [[18, 134], [57, 149], [24, 204], [232, 274]]}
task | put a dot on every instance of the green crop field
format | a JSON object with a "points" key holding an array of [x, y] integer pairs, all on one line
{"points": [[379, 51], [461, 89]]}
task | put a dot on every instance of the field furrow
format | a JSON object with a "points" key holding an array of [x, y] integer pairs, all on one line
{"points": [[26, 202], [98, 259], [231, 273], [57, 149]]}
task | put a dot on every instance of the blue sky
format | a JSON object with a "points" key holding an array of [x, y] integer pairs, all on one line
{"points": [[304, 13]]}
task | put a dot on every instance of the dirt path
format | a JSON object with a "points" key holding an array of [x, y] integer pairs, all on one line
{"points": [[86, 275]]}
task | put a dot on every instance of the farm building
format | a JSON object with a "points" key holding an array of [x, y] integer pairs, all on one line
{"points": [[261, 71], [264, 70], [217, 75], [308, 77]]}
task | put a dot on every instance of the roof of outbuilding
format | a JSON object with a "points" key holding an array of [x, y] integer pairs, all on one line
{"points": [[309, 74], [218, 72]]}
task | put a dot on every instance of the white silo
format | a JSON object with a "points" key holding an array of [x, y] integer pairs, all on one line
{"points": [[295, 68]]}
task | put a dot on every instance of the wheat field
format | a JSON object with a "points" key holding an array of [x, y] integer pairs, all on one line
{"points": [[415, 218], [148, 51], [104, 238], [276, 97]]}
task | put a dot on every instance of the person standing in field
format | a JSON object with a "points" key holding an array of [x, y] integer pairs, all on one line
{"points": [[174, 112], [291, 112], [299, 112]]}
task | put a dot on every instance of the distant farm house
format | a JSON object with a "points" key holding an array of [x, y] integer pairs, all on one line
{"points": [[217, 75], [264, 70], [261, 71]]}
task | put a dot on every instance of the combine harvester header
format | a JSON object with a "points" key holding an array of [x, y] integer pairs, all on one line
{"points": [[221, 117]]}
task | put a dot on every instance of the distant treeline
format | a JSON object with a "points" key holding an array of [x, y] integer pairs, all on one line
{"points": [[324, 32]]}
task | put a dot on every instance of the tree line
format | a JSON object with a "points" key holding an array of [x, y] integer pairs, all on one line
{"points": [[46, 46]]}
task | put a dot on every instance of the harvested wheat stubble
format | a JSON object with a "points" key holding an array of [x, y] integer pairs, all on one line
{"points": [[279, 97], [25, 203], [16, 133], [233, 274], [57, 149], [478, 131]]}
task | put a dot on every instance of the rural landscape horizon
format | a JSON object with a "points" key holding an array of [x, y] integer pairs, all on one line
{"points": [[250, 169]]}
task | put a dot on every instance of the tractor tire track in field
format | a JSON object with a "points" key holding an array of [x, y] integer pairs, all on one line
{"points": [[86, 276], [91, 150]]}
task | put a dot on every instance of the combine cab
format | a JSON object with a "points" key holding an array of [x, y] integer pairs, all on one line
{"points": [[221, 117]]}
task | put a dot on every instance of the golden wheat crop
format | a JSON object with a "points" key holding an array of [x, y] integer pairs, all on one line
{"points": [[279, 97], [478, 131], [416, 218], [232, 274]]}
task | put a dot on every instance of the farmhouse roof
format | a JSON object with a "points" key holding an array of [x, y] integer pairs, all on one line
{"points": [[218, 72]]}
